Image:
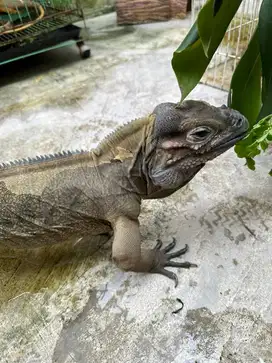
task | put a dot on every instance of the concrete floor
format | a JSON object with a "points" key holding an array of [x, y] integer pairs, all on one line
{"points": [[69, 304]]}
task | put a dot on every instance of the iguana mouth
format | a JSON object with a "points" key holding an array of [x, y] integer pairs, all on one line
{"points": [[230, 142]]}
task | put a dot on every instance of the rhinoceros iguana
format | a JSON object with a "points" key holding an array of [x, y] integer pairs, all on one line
{"points": [[48, 199]]}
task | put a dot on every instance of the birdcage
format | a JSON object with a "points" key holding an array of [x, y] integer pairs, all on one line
{"points": [[28, 27], [233, 45]]}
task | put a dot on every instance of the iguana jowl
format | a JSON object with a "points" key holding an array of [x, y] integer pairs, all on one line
{"points": [[48, 199]]}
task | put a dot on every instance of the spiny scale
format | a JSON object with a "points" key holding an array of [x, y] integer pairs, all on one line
{"points": [[120, 133], [40, 158], [113, 138]]}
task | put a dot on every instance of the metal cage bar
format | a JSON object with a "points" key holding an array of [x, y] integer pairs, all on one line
{"points": [[233, 45], [29, 27], [22, 20]]}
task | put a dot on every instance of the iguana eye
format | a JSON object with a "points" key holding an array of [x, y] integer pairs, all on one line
{"points": [[199, 134]]}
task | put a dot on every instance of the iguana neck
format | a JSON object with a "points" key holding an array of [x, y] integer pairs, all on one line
{"points": [[126, 139]]}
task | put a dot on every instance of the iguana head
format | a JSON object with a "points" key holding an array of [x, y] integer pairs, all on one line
{"points": [[186, 136]]}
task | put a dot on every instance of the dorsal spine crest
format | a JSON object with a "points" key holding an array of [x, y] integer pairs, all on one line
{"points": [[109, 142], [120, 134], [40, 158]]}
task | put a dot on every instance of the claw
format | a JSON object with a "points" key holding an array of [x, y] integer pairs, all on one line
{"points": [[164, 260], [170, 246], [158, 245], [171, 275], [178, 253], [180, 264]]}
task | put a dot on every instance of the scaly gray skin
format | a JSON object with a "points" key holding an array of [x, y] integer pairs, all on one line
{"points": [[51, 199]]}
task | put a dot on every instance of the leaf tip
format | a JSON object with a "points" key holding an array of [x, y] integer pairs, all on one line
{"points": [[250, 163]]}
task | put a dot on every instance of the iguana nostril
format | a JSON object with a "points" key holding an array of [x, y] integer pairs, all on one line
{"points": [[239, 122]]}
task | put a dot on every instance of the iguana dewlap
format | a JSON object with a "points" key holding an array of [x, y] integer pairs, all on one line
{"points": [[50, 199]]}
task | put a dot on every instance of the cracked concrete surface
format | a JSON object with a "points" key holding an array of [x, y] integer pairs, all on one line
{"points": [[69, 303]]}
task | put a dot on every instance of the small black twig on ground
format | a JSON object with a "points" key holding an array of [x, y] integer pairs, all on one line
{"points": [[178, 310]]}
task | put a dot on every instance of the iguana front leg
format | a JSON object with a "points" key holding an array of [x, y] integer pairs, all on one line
{"points": [[128, 255]]}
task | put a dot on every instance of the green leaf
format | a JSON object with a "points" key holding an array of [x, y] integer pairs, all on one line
{"points": [[212, 29], [258, 138], [265, 31], [190, 38], [250, 163], [245, 94], [269, 137], [216, 6], [189, 61], [264, 145], [189, 71]]}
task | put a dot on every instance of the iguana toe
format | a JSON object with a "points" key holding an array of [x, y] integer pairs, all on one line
{"points": [[170, 246], [169, 274], [164, 260]]}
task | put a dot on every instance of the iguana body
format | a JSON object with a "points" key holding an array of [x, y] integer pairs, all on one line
{"points": [[54, 198]]}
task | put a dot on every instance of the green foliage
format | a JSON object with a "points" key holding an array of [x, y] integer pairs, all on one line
{"points": [[256, 141], [251, 89], [251, 84], [245, 92], [194, 54], [213, 28], [265, 31], [189, 62]]}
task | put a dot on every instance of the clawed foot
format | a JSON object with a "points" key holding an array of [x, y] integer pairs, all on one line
{"points": [[164, 259]]}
